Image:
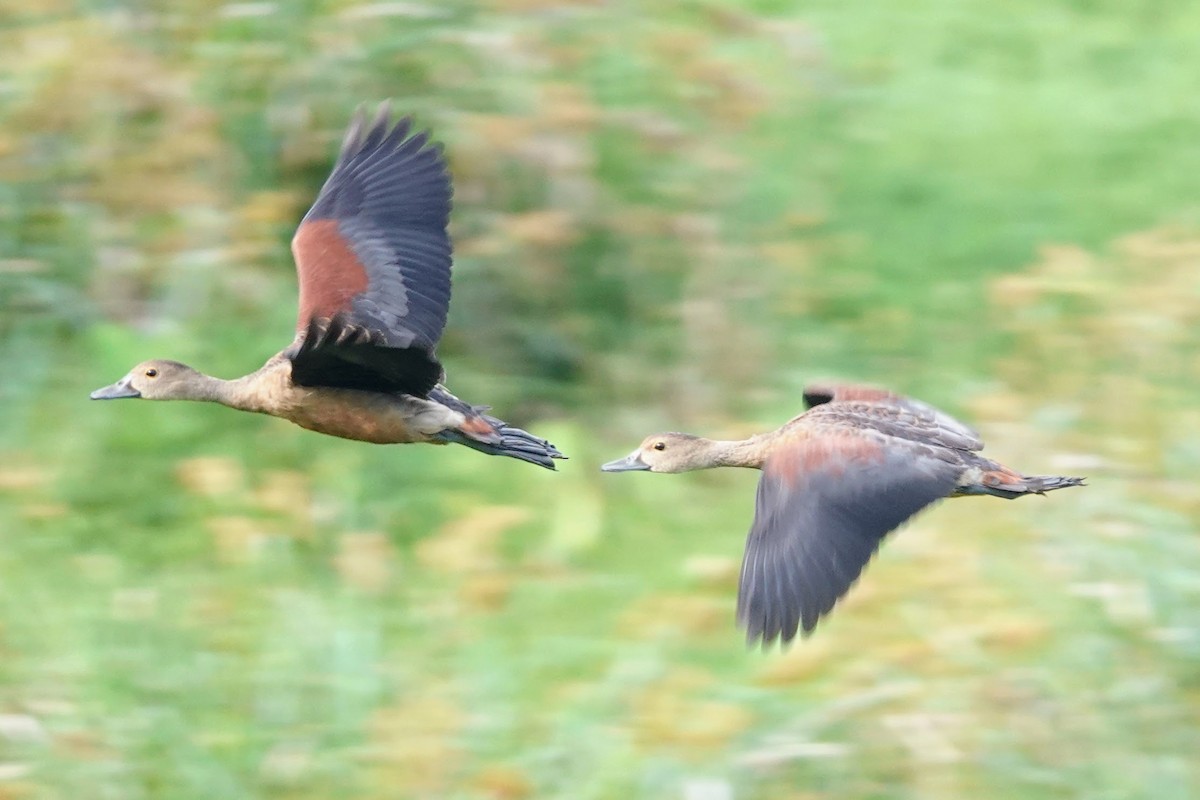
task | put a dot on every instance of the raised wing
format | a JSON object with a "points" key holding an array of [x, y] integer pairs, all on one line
{"points": [[819, 394], [373, 261], [902, 416], [824, 505]]}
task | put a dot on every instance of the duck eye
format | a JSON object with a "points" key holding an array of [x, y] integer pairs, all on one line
{"points": [[660, 445], [152, 373]]}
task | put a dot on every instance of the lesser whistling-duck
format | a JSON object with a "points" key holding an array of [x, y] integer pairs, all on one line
{"points": [[373, 260], [836, 480]]}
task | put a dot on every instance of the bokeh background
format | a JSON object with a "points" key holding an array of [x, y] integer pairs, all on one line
{"points": [[668, 215]]}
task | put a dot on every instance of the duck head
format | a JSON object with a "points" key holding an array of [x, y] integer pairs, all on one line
{"points": [[663, 452], [153, 380]]}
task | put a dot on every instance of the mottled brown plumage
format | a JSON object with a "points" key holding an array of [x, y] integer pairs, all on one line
{"points": [[373, 264], [836, 480]]}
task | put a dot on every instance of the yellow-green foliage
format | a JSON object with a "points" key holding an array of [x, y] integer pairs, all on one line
{"points": [[667, 215]]}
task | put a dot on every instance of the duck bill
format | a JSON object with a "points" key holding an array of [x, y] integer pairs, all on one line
{"points": [[629, 463], [116, 391]]}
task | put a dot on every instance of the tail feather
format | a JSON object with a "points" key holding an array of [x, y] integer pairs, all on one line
{"points": [[511, 442], [1040, 484], [493, 436], [1011, 485]]}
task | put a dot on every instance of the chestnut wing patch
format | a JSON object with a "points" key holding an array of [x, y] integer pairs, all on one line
{"points": [[824, 505], [373, 257]]}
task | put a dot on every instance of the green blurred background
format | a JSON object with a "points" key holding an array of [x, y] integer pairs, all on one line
{"points": [[668, 215]]}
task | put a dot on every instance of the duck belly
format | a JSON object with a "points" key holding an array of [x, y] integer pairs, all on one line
{"points": [[372, 417]]}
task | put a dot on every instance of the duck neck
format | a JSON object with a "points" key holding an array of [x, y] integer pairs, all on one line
{"points": [[235, 394], [742, 453]]}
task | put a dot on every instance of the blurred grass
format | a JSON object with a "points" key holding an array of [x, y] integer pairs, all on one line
{"points": [[662, 220]]}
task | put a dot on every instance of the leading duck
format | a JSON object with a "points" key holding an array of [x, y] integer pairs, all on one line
{"points": [[836, 480], [373, 260]]}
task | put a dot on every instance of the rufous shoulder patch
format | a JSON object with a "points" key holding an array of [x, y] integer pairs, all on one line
{"points": [[329, 272]]}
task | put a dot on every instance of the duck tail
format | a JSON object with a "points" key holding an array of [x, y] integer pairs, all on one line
{"points": [[493, 436], [507, 441], [1000, 481], [1040, 484]]}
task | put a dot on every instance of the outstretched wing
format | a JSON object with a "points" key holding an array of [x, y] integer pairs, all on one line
{"points": [[892, 413], [824, 505], [373, 261]]}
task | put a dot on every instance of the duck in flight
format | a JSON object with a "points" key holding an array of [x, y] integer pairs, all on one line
{"points": [[373, 260], [836, 480]]}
